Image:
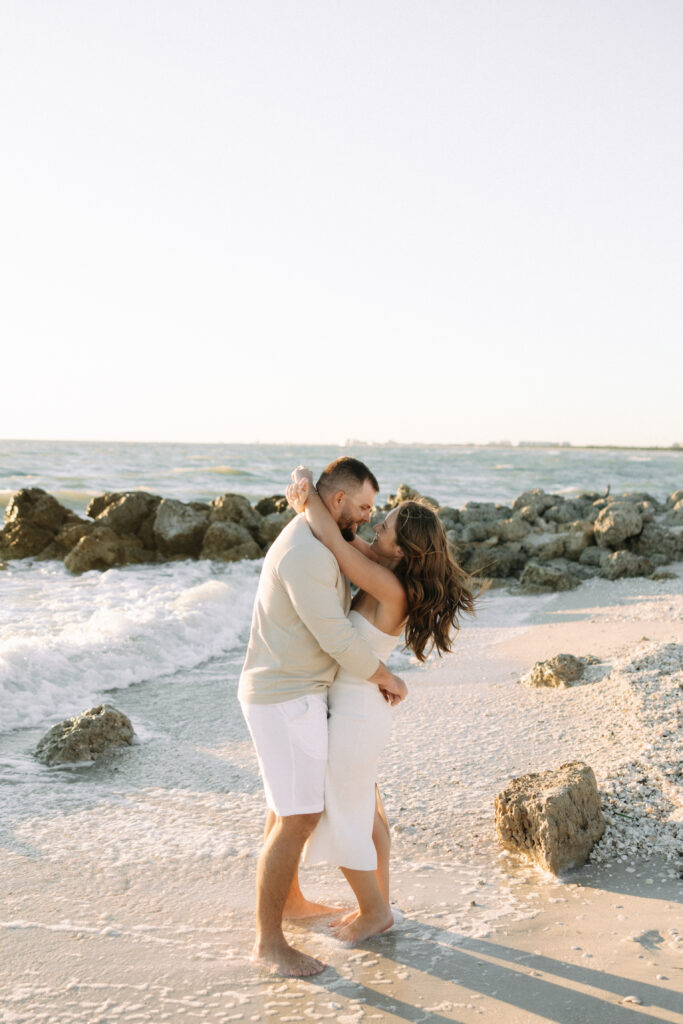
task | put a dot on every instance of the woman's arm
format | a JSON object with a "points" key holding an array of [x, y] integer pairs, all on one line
{"points": [[362, 570]]}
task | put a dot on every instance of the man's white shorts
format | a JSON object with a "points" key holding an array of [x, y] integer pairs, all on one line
{"points": [[291, 746]]}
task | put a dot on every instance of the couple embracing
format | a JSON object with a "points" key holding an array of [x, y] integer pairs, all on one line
{"points": [[317, 695]]}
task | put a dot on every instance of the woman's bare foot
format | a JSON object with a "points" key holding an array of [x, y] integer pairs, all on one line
{"points": [[283, 959], [344, 918], [295, 910], [364, 926]]}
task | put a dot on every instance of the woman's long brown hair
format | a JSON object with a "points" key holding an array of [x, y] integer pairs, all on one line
{"points": [[437, 589]]}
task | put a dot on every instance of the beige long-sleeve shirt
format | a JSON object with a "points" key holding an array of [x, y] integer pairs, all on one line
{"points": [[300, 633]]}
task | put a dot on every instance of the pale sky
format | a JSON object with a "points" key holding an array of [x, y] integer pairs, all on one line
{"points": [[307, 221]]}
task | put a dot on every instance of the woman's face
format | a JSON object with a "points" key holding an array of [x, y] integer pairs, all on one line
{"points": [[385, 543]]}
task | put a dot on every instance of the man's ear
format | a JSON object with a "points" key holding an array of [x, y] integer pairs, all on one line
{"points": [[338, 498]]}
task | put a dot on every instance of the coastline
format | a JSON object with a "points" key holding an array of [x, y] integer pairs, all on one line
{"points": [[138, 906]]}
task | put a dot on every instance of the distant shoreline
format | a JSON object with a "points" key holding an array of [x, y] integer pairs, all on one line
{"points": [[538, 445]]}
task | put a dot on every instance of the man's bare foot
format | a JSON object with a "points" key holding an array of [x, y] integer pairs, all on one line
{"points": [[364, 926], [283, 959], [345, 918], [297, 909]]}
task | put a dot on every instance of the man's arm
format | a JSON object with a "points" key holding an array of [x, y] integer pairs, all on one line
{"points": [[309, 574]]}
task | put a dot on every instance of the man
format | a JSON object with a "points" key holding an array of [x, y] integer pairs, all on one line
{"points": [[300, 634]]}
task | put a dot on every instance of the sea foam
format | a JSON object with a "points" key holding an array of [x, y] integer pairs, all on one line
{"points": [[65, 641]]}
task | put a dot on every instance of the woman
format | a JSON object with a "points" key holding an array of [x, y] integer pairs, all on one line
{"points": [[408, 584]]}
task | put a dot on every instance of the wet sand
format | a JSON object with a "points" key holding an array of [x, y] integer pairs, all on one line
{"points": [[138, 907]]}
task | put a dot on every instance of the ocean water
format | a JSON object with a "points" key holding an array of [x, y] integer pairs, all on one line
{"points": [[67, 643]]}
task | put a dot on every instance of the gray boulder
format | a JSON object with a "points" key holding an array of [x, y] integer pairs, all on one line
{"points": [[674, 499], [450, 517], [273, 524], [481, 512], [618, 564], [544, 548], [581, 535], [475, 531], [591, 557], [32, 520], [536, 500], [126, 514], [616, 523], [235, 508], [657, 540], [553, 818], [179, 529], [98, 504], [566, 511], [511, 529], [97, 549], [674, 516], [84, 737], [70, 534], [542, 578], [267, 506], [498, 562], [225, 541]]}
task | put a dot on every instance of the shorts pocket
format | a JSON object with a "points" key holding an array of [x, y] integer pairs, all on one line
{"points": [[306, 723]]}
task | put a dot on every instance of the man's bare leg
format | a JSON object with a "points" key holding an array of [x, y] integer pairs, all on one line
{"points": [[297, 906], [381, 837], [276, 868]]}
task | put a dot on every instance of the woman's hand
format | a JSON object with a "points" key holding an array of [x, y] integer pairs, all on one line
{"points": [[302, 473], [297, 494]]}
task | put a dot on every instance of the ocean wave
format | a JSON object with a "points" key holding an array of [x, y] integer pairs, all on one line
{"points": [[107, 631], [221, 470]]}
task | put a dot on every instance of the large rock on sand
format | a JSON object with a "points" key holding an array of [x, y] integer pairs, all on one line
{"points": [[560, 671], [97, 549], [617, 565], [552, 817], [616, 523], [179, 529], [83, 737], [537, 578], [235, 508], [272, 526]]}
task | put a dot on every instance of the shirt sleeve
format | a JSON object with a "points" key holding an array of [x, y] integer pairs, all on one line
{"points": [[309, 575]]}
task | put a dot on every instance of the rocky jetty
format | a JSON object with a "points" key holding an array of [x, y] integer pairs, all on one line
{"points": [[84, 737], [542, 542], [552, 817]]}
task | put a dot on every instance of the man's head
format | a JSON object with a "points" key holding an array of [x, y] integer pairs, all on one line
{"points": [[348, 489]]}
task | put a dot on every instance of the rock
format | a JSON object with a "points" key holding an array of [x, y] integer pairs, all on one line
{"points": [[179, 529], [24, 539], [657, 540], [674, 517], [581, 536], [566, 511], [450, 517], [544, 549], [480, 512], [32, 520], [560, 671], [528, 513], [536, 499], [591, 557], [618, 564], [36, 506], [225, 541], [553, 817], [616, 523], [267, 506], [98, 504], [235, 508], [98, 549], [512, 529], [496, 562], [70, 534], [475, 531], [126, 513], [88, 734], [674, 499], [538, 578], [273, 524]]}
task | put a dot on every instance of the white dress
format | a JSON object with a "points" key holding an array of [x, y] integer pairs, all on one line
{"points": [[359, 726]]}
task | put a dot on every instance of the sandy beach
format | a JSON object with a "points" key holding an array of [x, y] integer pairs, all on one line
{"points": [[138, 906]]}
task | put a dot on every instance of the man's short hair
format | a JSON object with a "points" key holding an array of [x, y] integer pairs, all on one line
{"points": [[345, 474]]}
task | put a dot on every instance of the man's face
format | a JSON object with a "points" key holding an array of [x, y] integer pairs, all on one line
{"points": [[355, 507]]}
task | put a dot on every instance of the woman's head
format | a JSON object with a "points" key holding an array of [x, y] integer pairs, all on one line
{"points": [[438, 590]]}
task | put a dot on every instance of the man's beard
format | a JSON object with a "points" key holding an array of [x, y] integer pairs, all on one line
{"points": [[348, 533]]}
